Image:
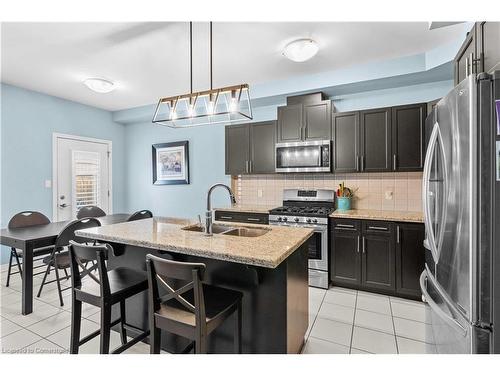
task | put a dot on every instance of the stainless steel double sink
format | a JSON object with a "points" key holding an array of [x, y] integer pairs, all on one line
{"points": [[229, 231]]}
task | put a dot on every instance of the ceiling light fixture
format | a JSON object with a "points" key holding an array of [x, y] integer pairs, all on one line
{"points": [[99, 85], [213, 106], [301, 50]]}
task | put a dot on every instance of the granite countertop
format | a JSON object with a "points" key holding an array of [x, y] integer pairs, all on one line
{"points": [[260, 209], [268, 250], [406, 216]]}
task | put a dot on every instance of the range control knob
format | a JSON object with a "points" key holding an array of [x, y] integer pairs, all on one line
{"points": [[279, 218], [285, 219], [315, 221], [296, 219], [308, 220]]}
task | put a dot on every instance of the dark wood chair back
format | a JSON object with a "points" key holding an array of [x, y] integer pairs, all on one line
{"points": [[139, 215], [159, 270], [27, 219], [80, 254], [90, 211], [67, 234]]}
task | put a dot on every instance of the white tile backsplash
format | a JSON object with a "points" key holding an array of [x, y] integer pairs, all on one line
{"points": [[404, 188]]}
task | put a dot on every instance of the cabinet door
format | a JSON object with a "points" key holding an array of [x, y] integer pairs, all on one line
{"points": [[408, 124], [345, 134], [462, 59], [378, 257], [237, 149], [488, 44], [345, 260], [375, 135], [410, 258], [290, 121], [262, 151], [317, 120]]}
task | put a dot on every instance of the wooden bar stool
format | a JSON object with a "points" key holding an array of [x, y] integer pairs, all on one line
{"points": [[192, 311], [109, 288]]}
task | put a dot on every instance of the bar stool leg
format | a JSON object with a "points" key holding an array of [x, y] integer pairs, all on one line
{"points": [[76, 321], [105, 328], [123, 332], [237, 329], [154, 340], [200, 346]]}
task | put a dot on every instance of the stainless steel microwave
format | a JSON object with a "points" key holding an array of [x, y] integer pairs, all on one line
{"points": [[309, 156]]}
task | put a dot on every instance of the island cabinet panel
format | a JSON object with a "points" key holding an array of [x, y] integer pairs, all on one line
{"points": [[408, 124], [345, 262], [345, 135], [410, 258], [237, 149], [375, 140], [242, 217], [378, 257], [290, 123]]}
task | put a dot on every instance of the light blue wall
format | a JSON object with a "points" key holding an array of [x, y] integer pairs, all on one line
{"points": [[28, 120]]}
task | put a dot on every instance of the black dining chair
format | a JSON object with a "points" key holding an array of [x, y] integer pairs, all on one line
{"points": [[193, 311], [103, 290], [90, 211], [139, 215], [59, 258], [23, 220]]}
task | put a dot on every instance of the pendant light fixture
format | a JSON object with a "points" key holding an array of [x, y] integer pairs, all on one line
{"points": [[213, 106]]}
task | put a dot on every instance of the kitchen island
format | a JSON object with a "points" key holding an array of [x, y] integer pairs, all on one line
{"points": [[270, 270]]}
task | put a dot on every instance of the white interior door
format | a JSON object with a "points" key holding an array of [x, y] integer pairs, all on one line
{"points": [[81, 175]]}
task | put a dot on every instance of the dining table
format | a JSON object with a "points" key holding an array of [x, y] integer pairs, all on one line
{"points": [[29, 238]]}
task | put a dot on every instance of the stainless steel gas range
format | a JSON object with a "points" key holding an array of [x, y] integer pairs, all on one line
{"points": [[309, 209]]}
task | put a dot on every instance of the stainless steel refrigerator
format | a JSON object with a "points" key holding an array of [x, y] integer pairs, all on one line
{"points": [[461, 200]]}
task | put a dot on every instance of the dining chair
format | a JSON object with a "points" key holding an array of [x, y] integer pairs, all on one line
{"points": [[90, 211], [23, 220], [59, 258], [139, 215]]}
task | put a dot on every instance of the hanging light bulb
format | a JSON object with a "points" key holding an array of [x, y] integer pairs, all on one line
{"points": [[191, 107], [212, 99], [173, 113], [233, 104]]}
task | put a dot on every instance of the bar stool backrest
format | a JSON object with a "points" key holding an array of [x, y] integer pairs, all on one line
{"points": [[81, 253], [27, 219], [90, 211], [139, 215], [159, 270]]}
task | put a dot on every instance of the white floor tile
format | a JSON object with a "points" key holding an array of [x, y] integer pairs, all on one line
{"points": [[316, 293], [62, 337], [411, 329], [7, 327], [10, 298], [357, 351], [40, 312], [373, 302], [87, 309], [17, 340], [339, 313], [52, 324], [318, 346], [92, 347], [43, 347], [314, 305], [331, 330], [408, 310], [340, 298], [344, 290], [373, 341], [375, 321], [407, 346], [312, 318]]}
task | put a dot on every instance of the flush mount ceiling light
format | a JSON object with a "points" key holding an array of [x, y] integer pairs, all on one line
{"points": [[213, 106], [301, 50], [99, 85]]}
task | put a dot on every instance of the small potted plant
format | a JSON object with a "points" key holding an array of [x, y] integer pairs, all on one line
{"points": [[344, 197]]}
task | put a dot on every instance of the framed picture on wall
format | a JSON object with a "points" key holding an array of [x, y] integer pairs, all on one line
{"points": [[171, 163]]}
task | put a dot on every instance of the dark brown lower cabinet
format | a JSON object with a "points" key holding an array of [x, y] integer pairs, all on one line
{"points": [[410, 258], [377, 256]]}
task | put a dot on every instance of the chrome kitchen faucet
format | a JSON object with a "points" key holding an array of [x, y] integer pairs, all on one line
{"points": [[208, 216]]}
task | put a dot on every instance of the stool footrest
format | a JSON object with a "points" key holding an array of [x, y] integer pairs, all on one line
{"points": [[134, 341]]}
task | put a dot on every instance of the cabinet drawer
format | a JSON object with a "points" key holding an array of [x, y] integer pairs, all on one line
{"points": [[242, 217], [378, 227], [345, 225]]}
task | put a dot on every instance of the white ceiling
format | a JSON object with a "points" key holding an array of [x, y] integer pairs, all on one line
{"points": [[150, 60]]}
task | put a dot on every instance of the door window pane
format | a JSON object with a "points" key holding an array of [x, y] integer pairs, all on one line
{"points": [[85, 176]]}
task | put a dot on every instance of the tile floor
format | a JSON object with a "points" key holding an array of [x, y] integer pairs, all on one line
{"points": [[341, 321]]}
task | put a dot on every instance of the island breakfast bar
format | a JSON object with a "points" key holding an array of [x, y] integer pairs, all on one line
{"points": [[271, 270]]}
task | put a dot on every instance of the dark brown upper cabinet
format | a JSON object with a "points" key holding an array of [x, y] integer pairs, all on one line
{"points": [[480, 52], [408, 124], [250, 148], [345, 134], [304, 122], [375, 140]]}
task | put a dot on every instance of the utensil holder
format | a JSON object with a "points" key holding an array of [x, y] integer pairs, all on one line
{"points": [[343, 203]]}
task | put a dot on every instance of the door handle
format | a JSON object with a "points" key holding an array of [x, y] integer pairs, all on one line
{"points": [[362, 162], [394, 162], [246, 166], [63, 205], [472, 62], [466, 66]]}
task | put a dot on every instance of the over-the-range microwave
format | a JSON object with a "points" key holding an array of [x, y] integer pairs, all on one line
{"points": [[308, 156]]}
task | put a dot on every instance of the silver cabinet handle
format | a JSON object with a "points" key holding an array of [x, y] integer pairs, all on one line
{"points": [[362, 162], [246, 166], [226, 217], [252, 219], [358, 243], [378, 228], [250, 166], [357, 163], [472, 63], [344, 226], [397, 234], [466, 66], [394, 162], [364, 244]]}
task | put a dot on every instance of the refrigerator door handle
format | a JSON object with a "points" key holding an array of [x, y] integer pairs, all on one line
{"points": [[425, 277]]}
